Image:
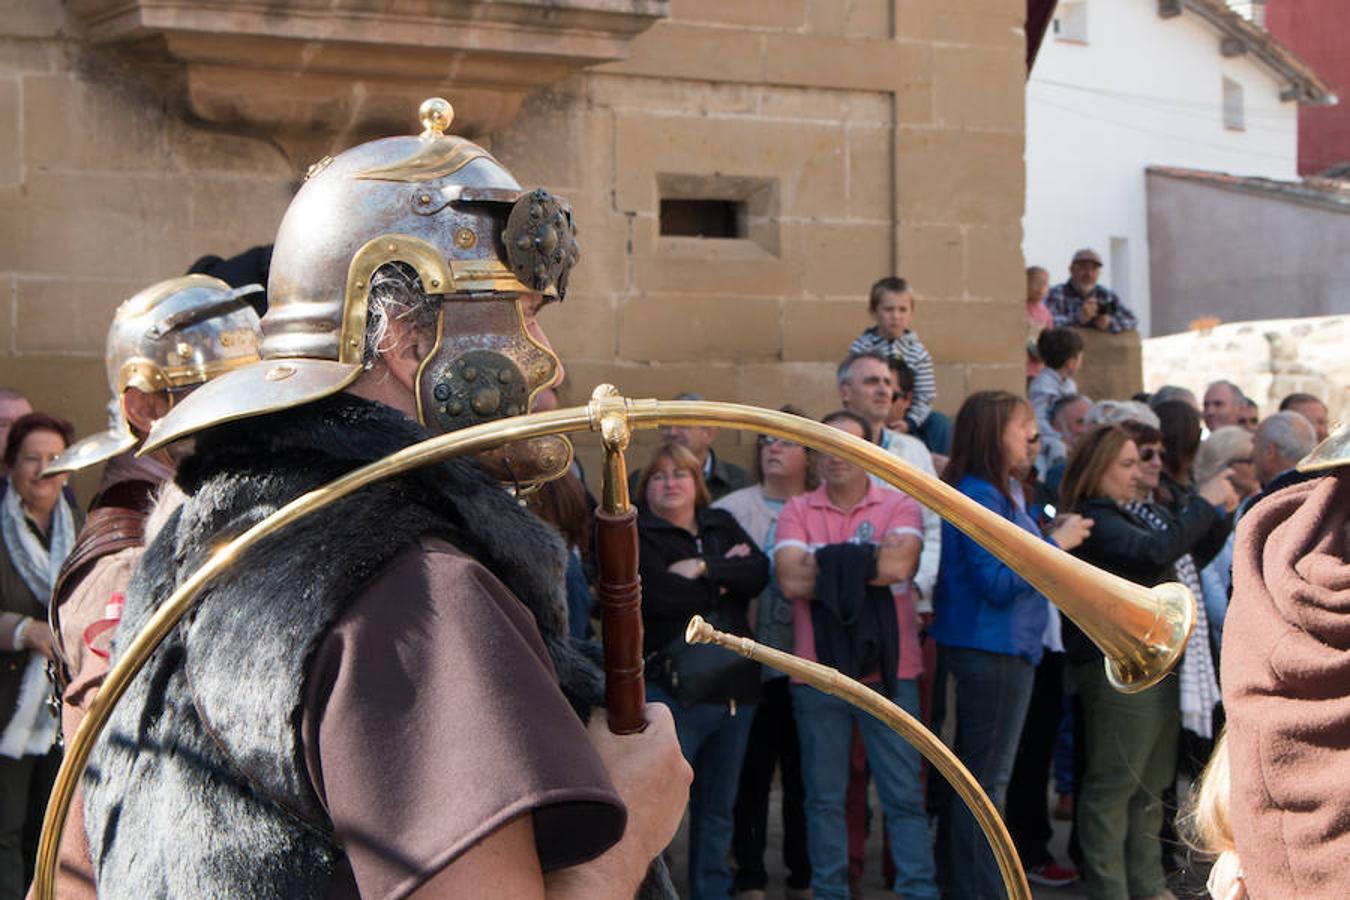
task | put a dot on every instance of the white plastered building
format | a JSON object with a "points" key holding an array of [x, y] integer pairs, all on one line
{"points": [[1121, 85]]}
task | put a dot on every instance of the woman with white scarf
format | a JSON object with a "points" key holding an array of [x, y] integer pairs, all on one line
{"points": [[38, 526]]}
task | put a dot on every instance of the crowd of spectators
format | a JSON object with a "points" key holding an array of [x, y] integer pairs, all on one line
{"points": [[810, 555]]}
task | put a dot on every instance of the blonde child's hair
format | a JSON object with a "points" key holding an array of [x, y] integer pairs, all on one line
{"points": [[1206, 821]]}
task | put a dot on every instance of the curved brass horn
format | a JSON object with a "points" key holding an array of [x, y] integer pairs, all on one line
{"points": [[831, 681], [1142, 631]]}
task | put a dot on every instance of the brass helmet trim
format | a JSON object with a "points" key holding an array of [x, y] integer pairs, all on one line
{"points": [[145, 375], [439, 155], [284, 382], [438, 276]]}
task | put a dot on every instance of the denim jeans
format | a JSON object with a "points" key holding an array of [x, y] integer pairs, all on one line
{"points": [[992, 694], [825, 727], [713, 741]]}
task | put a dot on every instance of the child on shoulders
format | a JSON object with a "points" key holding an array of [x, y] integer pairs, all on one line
{"points": [[891, 304]]}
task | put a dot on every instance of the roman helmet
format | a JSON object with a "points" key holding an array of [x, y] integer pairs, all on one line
{"points": [[170, 337], [1332, 453], [446, 210]]}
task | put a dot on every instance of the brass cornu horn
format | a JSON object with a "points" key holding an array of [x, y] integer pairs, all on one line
{"points": [[1142, 631]]}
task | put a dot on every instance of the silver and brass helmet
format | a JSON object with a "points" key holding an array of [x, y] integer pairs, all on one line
{"points": [[447, 210], [172, 336]]}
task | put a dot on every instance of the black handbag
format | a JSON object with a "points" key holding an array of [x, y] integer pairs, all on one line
{"points": [[706, 673]]}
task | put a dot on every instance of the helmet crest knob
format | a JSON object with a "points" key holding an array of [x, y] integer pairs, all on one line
{"points": [[436, 115]]}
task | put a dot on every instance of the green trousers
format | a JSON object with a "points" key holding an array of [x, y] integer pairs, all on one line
{"points": [[1131, 756]]}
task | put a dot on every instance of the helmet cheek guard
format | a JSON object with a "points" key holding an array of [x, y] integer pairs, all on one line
{"points": [[484, 366]]}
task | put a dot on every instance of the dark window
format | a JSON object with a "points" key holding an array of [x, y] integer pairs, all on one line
{"points": [[703, 218]]}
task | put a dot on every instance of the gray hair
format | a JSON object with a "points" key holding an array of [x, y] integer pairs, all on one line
{"points": [[841, 374], [1238, 395], [1062, 403], [1222, 446], [1170, 392], [395, 293], [1292, 436], [1113, 412]]}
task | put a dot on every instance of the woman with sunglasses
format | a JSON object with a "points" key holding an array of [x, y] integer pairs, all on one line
{"points": [[782, 470], [989, 622], [1130, 740]]}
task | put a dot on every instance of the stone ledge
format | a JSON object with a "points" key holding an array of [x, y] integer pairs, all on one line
{"points": [[305, 70]]}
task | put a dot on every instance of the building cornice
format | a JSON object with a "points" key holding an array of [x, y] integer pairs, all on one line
{"points": [[1238, 36], [306, 70]]}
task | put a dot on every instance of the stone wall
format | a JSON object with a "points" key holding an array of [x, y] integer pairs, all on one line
{"points": [[104, 188], [1112, 365], [889, 136], [1269, 360], [864, 137]]}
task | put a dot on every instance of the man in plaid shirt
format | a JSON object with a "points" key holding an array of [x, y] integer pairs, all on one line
{"points": [[1081, 301]]}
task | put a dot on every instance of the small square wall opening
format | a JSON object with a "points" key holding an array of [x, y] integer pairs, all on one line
{"points": [[717, 213], [703, 218]]}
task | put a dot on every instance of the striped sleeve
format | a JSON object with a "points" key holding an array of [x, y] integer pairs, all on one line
{"points": [[917, 358], [869, 342]]}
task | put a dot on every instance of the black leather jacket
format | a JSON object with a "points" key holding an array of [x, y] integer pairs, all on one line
{"points": [[1125, 545], [668, 600]]}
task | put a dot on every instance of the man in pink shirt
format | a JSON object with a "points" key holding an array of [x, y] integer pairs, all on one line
{"points": [[849, 510]]}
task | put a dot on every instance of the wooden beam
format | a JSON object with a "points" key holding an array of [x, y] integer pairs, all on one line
{"points": [[1039, 14]]}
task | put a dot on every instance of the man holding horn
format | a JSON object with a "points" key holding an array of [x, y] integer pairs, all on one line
{"points": [[383, 699]]}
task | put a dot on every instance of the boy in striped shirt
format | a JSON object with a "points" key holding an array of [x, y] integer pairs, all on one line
{"points": [[891, 304]]}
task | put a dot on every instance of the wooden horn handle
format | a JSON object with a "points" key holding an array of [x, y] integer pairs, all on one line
{"points": [[620, 593]]}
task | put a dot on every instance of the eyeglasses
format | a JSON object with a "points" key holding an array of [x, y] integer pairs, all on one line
{"points": [[769, 440], [1148, 453]]}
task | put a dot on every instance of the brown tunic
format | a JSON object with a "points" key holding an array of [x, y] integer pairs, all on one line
{"points": [[432, 717], [84, 606], [1286, 690]]}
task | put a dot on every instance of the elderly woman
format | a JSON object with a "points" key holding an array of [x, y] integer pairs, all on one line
{"points": [[699, 560], [1130, 739], [39, 528]]}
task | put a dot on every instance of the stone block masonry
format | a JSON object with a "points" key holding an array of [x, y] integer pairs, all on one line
{"points": [[851, 139]]}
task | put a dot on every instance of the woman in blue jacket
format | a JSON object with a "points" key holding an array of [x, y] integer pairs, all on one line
{"points": [[989, 623]]}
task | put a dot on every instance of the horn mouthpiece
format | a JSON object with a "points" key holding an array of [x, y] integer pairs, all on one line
{"points": [[698, 631]]}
